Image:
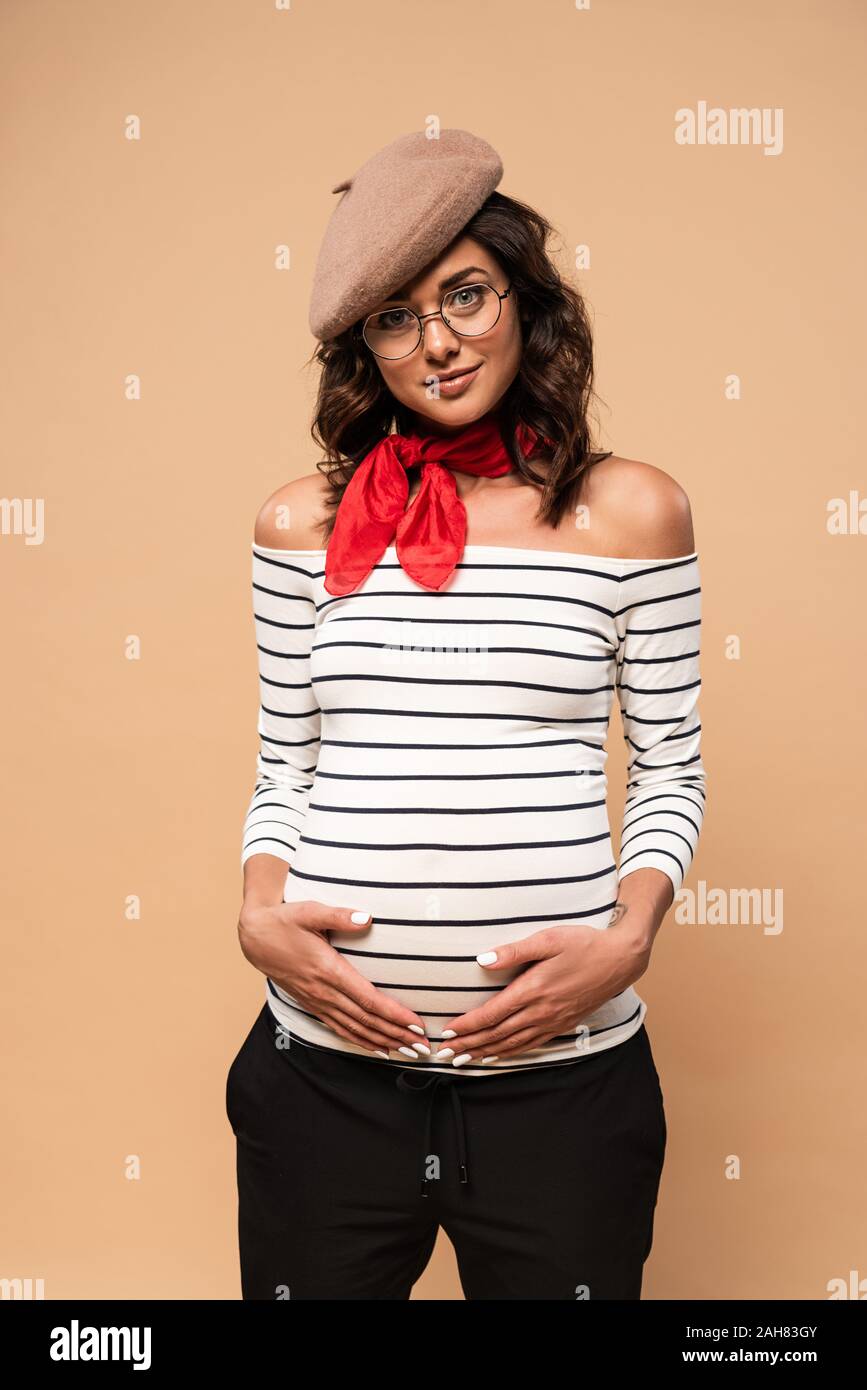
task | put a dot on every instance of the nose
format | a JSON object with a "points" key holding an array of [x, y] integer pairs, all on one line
{"points": [[438, 339]]}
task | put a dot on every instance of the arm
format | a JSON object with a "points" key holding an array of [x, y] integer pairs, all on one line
{"points": [[658, 623], [288, 721]]}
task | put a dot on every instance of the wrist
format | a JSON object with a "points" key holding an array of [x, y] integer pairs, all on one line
{"points": [[635, 938], [253, 904], [264, 882], [643, 899]]}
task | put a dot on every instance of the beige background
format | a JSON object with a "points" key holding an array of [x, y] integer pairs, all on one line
{"points": [[156, 257]]}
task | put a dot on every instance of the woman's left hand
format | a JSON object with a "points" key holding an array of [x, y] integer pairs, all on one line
{"points": [[578, 969]]}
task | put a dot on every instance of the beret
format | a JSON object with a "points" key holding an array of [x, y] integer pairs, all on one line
{"points": [[398, 212]]}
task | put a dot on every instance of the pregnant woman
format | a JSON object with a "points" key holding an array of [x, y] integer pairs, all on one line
{"points": [[444, 613]]}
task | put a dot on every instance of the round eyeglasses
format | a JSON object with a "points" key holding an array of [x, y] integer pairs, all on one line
{"points": [[468, 311]]}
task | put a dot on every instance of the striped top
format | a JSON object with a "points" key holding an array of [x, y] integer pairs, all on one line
{"points": [[438, 759]]}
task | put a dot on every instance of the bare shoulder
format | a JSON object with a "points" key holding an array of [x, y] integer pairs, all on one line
{"points": [[288, 519], [638, 510]]}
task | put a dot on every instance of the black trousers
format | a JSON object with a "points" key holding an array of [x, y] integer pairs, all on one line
{"points": [[545, 1181]]}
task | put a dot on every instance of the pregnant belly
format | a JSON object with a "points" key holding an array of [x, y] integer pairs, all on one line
{"points": [[426, 965], [421, 946]]}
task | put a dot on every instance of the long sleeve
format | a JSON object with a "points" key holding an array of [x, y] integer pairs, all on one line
{"points": [[289, 718], [658, 624]]}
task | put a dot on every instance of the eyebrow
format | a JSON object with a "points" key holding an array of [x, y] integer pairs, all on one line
{"points": [[447, 284]]}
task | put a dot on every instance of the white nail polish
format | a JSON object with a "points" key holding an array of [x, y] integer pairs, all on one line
{"points": [[360, 917], [464, 1057], [489, 1059], [381, 1054], [408, 1052], [414, 1028], [487, 958], [423, 1048], [445, 1052], [449, 1033]]}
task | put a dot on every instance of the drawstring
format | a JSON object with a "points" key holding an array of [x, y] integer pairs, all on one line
{"points": [[433, 1079]]}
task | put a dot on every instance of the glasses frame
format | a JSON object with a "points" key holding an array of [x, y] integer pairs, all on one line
{"points": [[437, 313]]}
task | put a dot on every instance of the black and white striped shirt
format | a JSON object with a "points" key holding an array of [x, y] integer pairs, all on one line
{"points": [[438, 759]]}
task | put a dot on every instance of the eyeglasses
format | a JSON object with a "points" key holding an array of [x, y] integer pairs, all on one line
{"points": [[468, 311]]}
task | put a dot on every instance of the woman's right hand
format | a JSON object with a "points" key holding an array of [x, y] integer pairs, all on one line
{"points": [[287, 942]]}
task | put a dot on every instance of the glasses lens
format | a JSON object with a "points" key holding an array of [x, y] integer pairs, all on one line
{"points": [[392, 333], [472, 309]]}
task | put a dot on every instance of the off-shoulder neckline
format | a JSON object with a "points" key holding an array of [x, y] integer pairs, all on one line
{"points": [[517, 550]]}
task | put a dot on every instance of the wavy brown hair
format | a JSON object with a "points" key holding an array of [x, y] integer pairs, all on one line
{"points": [[551, 392]]}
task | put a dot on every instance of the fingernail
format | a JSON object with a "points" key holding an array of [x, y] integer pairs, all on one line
{"points": [[414, 1028], [464, 1057], [408, 1052], [381, 1054], [445, 1052], [360, 917], [487, 958], [489, 1059], [449, 1033], [422, 1047]]}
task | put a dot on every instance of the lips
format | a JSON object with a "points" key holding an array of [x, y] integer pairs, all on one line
{"points": [[457, 375]]}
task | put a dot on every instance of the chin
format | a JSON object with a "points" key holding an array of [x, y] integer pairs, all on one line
{"points": [[456, 413]]}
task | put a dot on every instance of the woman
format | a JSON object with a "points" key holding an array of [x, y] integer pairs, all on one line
{"points": [[443, 616]]}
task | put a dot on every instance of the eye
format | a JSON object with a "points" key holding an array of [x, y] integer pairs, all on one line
{"points": [[467, 296], [391, 319]]}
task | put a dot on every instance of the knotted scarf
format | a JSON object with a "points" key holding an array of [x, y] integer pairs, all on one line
{"points": [[431, 532]]}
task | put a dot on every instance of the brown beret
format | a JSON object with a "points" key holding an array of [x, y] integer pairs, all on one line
{"points": [[398, 212]]}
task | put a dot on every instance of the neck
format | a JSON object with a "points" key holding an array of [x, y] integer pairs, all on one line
{"points": [[467, 484]]}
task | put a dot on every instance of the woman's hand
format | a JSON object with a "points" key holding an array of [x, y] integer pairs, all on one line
{"points": [[286, 941], [578, 969]]}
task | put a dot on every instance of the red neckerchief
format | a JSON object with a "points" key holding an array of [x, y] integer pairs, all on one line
{"points": [[431, 531]]}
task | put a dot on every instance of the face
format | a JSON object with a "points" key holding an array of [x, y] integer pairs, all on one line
{"points": [[490, 359]]}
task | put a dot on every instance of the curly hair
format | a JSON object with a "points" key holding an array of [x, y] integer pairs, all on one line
{"points": [[551, 392]]}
